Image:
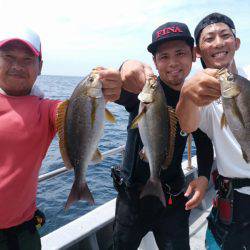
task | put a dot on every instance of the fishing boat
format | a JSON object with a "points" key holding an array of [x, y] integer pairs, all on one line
{"points": [[93, 231]]}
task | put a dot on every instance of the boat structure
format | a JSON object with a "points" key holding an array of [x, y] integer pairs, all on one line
{"points": [[93, 231]]}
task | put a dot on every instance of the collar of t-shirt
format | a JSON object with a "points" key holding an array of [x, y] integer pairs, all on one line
{"points": [[36, 91], [172, 96]]}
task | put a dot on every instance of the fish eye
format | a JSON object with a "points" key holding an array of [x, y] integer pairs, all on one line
{"points": [[91, 78], [153, 86], [230, 78]]}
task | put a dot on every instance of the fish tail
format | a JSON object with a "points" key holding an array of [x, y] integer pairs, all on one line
{"points": [[153, 187], [81, 192]]}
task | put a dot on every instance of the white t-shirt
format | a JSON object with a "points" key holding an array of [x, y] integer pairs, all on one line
{"points": [[229, 159]]}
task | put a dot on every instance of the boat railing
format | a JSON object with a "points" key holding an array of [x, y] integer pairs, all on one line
{"points": [[58, 171], [87, 232]]}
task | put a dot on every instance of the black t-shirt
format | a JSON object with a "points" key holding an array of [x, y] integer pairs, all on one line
{"points": [[135, 170]]}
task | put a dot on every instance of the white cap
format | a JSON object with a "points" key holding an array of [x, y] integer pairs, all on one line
{"points": [[23, 34]]}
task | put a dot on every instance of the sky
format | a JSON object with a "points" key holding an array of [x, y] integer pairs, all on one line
{"points": [[79, 35]]}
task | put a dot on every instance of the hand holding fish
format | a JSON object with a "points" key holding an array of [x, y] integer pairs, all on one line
{"points": [[203, 88], [111, 83], [199, 187], [134, 74]]}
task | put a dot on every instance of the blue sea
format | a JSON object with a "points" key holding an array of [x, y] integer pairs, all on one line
{"points": [[52, 194]]}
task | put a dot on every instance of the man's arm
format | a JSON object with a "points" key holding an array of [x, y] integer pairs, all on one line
{"points": [[111, 83], [205, 157], [200, 90], [204, 153], [187, 112], [128, 100], [133, 74]]}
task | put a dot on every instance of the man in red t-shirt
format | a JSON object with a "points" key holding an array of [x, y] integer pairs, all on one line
{"points": [[27, 127]]}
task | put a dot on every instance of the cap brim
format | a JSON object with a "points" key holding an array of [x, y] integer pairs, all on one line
{"points": [[153, 46], [36, 53]]}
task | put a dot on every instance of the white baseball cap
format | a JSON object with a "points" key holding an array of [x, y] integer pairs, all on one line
{"points": [[23, 34]]}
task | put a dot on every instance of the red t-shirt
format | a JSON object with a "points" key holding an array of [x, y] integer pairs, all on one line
{"points": [[27, 127]]}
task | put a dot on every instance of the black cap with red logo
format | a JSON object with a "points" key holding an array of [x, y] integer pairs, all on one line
{"points": [[168, 32]]}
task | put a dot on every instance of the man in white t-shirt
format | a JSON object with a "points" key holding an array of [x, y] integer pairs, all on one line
{"points": [[199, 106]]}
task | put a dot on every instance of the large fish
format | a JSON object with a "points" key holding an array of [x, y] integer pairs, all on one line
{"points": [[235, 95], [155, 121], [80, 122]]}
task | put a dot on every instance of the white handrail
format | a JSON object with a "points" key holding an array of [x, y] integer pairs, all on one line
{"points": [[64, 169]]}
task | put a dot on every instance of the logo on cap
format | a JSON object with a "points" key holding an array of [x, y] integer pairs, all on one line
{"points": [[169, 30]]}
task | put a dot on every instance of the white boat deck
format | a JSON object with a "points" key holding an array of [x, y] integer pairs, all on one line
{"points": [[198, 223]]}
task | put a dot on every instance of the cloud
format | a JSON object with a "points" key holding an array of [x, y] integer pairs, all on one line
{"points": [[84, 32]]}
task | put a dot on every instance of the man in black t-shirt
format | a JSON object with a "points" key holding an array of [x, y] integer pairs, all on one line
{"points": [[173, 54]]}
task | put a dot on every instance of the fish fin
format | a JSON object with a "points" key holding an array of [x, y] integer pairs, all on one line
{"points": [[93, 111], [171, 138], [135, 122], [245, 156], [60, 123], [236, 112], [223, 121], [153, 187], [109, 116], [143, 155], [60, 115], [79, 193], [97, 157]]}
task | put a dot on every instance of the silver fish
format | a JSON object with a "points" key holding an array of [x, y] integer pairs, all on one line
{"points": [[154, 126], [235, 95], [80, 127]]}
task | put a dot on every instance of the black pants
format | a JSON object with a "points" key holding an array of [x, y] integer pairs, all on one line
{"points": [[23, 237], [238, 238], [135, 217], [237, 234]]}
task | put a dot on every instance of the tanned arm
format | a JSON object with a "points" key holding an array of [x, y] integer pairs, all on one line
{"points": [[200, 90]]}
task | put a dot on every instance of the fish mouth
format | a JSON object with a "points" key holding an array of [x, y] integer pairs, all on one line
{"points": [[94, 93], [146, 98], [230, 92]]}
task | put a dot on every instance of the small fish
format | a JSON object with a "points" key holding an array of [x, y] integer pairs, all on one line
{"points": [[235, 95], [80, 122], [157, 125]]}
